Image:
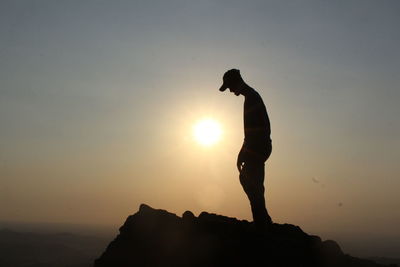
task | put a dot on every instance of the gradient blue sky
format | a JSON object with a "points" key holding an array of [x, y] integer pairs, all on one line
{"points": [[98, 99]]}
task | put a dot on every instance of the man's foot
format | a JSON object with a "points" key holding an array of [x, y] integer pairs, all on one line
{"points": [[263, 227]]}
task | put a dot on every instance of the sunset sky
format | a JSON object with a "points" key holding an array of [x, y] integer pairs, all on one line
{"points": [[98, 100]]}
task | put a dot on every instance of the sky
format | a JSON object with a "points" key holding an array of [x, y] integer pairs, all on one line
{"points": [[98, 100]]}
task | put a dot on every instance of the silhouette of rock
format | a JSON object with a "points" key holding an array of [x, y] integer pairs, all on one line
{"points": [[158, 238]]}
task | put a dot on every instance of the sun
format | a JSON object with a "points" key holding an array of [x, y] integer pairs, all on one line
{"points": [[207, 132]]}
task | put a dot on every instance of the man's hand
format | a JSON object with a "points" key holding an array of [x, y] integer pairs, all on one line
{"points": [[240, 161]]}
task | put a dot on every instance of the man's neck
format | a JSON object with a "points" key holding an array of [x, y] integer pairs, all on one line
{"points": [[245, 89]]}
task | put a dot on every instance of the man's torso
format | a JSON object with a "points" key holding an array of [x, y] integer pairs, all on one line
{"points": [[257, 129]]}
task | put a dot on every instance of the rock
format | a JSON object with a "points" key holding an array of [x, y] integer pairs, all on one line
{"points": [[188, 216], [158, 238]]}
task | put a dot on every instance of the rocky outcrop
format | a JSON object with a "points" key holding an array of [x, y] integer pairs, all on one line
{"points": [[158, 238]]}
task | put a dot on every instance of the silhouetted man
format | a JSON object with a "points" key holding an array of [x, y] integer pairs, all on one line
{"points": [[256, 147]]}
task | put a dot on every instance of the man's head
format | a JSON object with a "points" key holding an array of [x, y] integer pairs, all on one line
{"points": [[233, 81]]}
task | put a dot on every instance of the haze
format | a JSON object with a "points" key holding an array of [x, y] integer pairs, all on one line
{"points": [[98, 101]]}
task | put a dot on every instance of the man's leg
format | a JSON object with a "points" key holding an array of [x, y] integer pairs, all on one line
{"points": [[252, 180]]}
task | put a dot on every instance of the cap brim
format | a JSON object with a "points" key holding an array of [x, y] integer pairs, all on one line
{"points": [[223, 88]]}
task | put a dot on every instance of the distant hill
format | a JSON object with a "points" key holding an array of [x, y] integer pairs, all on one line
{"points": [[384, 260], [24, 249], [158, 238]]}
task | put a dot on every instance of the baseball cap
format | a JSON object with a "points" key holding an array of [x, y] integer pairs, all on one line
{"points": [[230, 77]]}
